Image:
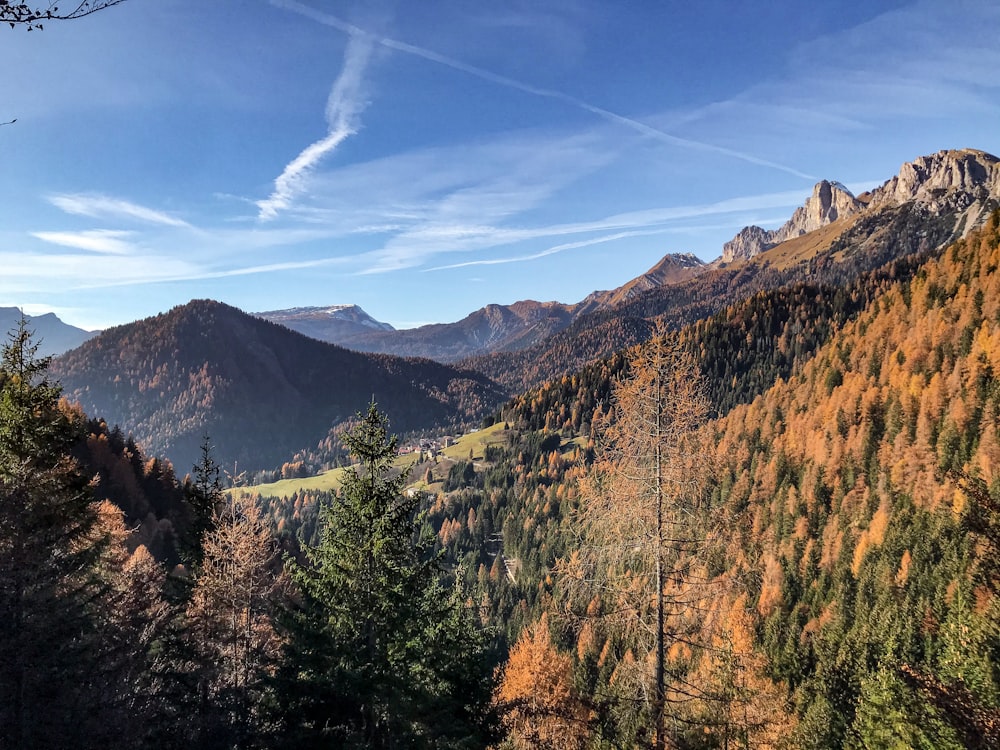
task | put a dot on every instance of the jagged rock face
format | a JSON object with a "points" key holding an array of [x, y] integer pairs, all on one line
{"points": [[829, 201], [957, 181], [750, 241], [962, 183], [931, 178]]}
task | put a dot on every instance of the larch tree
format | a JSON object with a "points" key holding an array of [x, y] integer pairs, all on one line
{"points": [[135, 619], [539, 701], [640, 520], [237, 590]]}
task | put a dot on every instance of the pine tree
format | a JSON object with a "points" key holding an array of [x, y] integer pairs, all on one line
{"points": [[379, 656], [49, 583], [204, 495]]}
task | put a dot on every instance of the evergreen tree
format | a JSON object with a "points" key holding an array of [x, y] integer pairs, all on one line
{"points": [[50, 638], [378, 655], [204, 495]]}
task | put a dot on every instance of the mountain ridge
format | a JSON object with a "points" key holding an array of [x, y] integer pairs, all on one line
{"points": [[54, 336], [260, 390], [863, 241], [493, 327], [957, 182]]}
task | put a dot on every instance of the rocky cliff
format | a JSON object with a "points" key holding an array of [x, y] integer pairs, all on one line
{"points": [[963, 182], [829, 201]]}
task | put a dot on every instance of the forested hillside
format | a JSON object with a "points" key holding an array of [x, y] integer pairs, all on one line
{"points": [[773, 527], [351, 641], [261, 391], [842, 591]]}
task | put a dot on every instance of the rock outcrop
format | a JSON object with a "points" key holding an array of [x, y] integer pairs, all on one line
{"points": [[829, 201], [750, 241], [964, 182], [938, 178]]}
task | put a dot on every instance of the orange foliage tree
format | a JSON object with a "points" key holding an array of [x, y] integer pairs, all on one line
{"points": [[542, 707], [640, 522]]}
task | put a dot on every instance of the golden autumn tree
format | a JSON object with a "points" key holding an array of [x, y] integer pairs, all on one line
{"points": [[742, 706], [231, 606], [640, 521], [542, 707]]}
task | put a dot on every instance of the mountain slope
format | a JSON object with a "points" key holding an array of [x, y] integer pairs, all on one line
{"points": [[671, 269], [854, 535], [853, 512], [259, 390], [331, 324], [494, 328], [933, 201], [54, 336]]}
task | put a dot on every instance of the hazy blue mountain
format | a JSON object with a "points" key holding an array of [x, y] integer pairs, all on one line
{"points": [[54, 336]]}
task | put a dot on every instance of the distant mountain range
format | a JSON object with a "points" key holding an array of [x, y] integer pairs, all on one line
{"points": [[54, 336], [494, 328], [952, 191]]}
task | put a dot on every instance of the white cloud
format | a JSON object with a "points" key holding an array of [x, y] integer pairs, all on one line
{"points": [[98, 206], [104, 241], [343, 109], [412, 248]]}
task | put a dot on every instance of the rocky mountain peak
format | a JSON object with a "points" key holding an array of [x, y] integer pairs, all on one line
{"points": [[959, 181], [936, 178], [829, 201], [748, 242]]}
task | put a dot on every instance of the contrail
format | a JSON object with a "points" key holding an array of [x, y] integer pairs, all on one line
{"points": [[527, 88], [342, 110], [549, 251]]}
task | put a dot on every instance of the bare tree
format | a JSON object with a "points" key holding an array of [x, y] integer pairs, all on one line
{"points": [[33, 17], [640, 520], [234, 597]]}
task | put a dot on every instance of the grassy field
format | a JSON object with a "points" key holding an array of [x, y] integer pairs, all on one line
{"points": [[474, 442], [327, 481]]}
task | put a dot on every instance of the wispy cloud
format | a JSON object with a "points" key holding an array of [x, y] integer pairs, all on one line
{"points": [[102, 206], [413, 248], [527, 88], [31, 272], [551, 250], [103, 241], [345, 104]]}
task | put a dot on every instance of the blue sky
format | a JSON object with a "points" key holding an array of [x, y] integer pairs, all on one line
{"points": [[425, 159]]}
